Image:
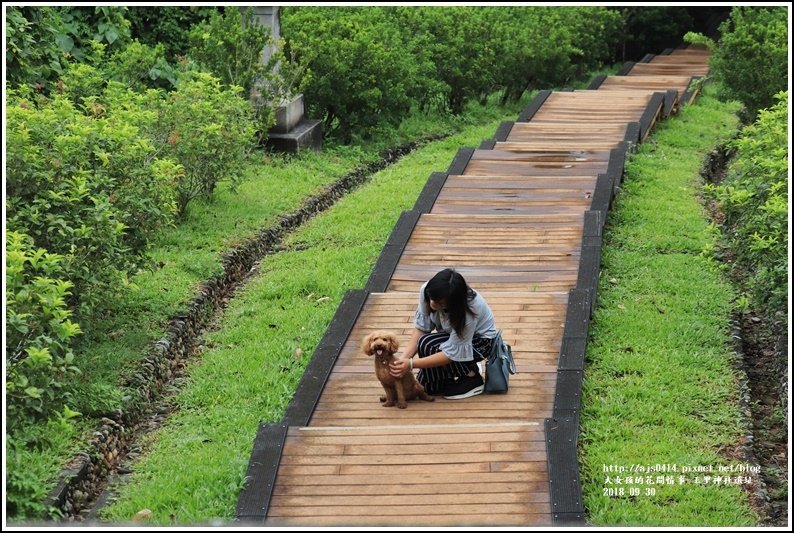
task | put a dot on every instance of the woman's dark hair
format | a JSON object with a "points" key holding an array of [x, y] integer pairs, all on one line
{"points": [[448, 286]]}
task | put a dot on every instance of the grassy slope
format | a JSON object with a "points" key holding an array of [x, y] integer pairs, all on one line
{"points": [[196, 463], [659, 385]]}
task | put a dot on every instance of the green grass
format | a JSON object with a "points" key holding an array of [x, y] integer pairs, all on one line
{"points": [[659, 383], [190, 253], [195, 465]]}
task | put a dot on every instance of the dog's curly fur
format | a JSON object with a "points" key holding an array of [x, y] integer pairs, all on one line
{"points": [[383, 345]]}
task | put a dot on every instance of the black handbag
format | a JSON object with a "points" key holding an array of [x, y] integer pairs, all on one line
{"points": [[499, 366]]}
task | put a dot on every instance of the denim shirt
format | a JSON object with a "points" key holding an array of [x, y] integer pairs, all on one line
{"points": [[458, 347]]}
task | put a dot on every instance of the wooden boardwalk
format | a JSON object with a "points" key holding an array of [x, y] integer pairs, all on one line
{"points": [[521, 219]]}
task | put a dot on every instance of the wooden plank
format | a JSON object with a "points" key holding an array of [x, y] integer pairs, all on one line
{"points": [[503, 221], [480, 486], [375, 499], [464, 435], [592, 129], [519, 168], [412, 286], [682, 60], [550, 183], [398, 509], [541, 143], [410, 433], [472, 519], [478, 275], [528, 298], [550, 156], [397, 458], [286, 479], [668, 69], [448, 208]]}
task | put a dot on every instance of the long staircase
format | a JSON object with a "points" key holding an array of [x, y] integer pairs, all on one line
{"points": [[521, 219]]}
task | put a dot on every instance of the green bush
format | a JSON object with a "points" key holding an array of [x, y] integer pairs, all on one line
{"points": [[751, 59], [595, 34], [544, 47], [230, 45], [362, 75], [41, 40], [39, 332], [142, 67], [166, 26], [209, 131], [754, 200], [86, 186], [371, 65]]}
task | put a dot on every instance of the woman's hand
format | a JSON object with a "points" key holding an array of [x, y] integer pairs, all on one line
{"points": [[399, 367]]}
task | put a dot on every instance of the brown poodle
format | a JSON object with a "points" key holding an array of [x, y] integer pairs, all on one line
{"points": [[382, 345]]}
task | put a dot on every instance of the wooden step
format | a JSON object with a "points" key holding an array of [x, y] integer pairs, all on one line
{"points": [[417, 474]]}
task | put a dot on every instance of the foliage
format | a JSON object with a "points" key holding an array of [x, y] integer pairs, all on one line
{"points": [[86, 186], [40, 40], [651, 29], [754, 200], [595, 34], [31, 452], [542, 48], [229, 45], [209, 130], [362, 76], [140, 67], [103, 24], [39, 332], [751, 59], [372, 65], [166, 26]]}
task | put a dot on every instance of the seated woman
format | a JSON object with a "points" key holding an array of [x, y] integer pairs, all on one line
{"points": [[455, 328]]}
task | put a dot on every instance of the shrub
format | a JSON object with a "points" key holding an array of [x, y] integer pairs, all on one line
{"points": [[33, 53], [86, 186], [142, 67], [41, 40], [209, 130], [595, 34], [371, 65], [538, 47], [460, 47], [751, 59], [754, 200], [39, 332], [230, 46], [166, 26], [362, 75]]}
